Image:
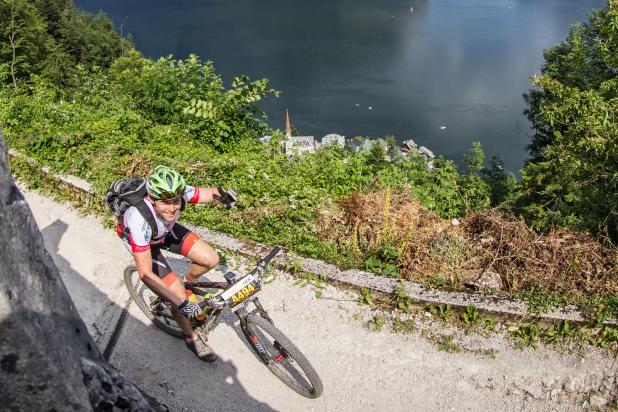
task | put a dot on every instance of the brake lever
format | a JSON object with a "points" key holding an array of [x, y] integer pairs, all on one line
{"points": [[212, 303]]}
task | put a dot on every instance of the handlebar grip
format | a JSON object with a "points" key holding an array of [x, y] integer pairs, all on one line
{"points": [[208, 303], [271, 255]]}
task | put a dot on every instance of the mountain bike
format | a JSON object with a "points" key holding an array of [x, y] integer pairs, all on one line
{"points": [[270, 346]]}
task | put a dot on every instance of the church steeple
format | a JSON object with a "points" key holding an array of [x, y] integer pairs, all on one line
{"points": [[288, 126]]}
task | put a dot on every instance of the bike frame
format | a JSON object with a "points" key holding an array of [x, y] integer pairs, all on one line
{"points": [[242, 313]]}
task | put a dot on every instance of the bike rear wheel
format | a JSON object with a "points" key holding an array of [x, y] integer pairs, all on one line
{"points": [[282, 357], [157, 310]]}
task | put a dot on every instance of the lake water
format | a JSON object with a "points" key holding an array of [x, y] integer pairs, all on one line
{"points": [[443, 72]]}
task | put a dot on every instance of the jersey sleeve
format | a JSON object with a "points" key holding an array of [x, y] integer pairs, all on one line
{"points": [[192, 194], [139, 229]]}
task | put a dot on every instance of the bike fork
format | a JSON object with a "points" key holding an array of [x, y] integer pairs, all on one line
{"points": [[242, 314]]}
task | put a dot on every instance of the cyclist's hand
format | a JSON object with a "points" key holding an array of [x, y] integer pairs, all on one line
{"points": [[190, 310], [227, 197], [215, 303]]}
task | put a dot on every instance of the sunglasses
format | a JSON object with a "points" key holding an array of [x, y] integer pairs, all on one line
{"points": [[172, 201]]}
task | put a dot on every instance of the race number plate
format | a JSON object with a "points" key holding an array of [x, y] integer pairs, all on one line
{"points": [[242, 290]]}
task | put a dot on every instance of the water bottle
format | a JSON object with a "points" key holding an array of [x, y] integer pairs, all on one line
{"points": [[191, 297]]}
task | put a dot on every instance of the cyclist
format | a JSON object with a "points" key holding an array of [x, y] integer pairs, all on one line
{"points": [[167, 194]]}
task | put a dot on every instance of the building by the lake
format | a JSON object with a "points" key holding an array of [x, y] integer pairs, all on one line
{"points": [[296, 144]]}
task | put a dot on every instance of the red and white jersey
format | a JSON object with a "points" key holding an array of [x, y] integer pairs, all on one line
{"points": [[141, 234]]}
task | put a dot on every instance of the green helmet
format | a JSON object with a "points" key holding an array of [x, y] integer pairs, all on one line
{"points": [[165, 183]]}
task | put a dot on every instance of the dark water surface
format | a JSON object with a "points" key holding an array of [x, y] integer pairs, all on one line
{"points": [[458, 64]]}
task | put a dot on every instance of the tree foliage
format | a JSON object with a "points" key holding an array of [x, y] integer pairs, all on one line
{"points": [[572, 176], [23, 39], [52, 37]]}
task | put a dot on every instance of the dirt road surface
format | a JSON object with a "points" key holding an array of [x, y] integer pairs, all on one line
{"points": [[362, 370]]}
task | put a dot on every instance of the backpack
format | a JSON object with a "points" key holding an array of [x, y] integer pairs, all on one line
{"points": [[124, 193]]}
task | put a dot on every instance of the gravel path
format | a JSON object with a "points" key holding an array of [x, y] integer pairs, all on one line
{"points": [[360, 369]]}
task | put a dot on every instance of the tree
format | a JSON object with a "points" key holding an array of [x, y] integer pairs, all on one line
{"points": [[376, 157], [473, 190], [52, 37], [572, 176], [90, 39], [23, 38], [583, 61], [393, 151], [502, 184], [473, 160]]}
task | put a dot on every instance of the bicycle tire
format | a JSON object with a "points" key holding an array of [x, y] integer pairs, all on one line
{"points": [[136, 290], [312, 386]]}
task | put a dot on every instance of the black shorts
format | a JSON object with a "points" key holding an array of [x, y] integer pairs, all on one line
{"points": [[179, 240]]}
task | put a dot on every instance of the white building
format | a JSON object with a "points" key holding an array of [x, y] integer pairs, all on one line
{"points": [[298, 144], [424, 151], [359, 144], [407, 147], [333, 139]]}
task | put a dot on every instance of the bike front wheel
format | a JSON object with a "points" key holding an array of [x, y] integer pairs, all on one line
{"points": [[282, 357], [157, 310]]}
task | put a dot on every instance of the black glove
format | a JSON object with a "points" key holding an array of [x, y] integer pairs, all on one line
{"points": [[227, 197], [190, 310]]}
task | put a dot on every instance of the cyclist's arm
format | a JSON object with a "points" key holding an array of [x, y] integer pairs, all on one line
{"points": [[143, 262], [206, 194], [209, 195]]}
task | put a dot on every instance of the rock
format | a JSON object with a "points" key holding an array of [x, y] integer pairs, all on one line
{"points": [[592, 383], [455, 222], [482, 382], [485, 281], [548, 382], [514, 391], [43, 341], [534, 392], [597, 401], [608, 384], [569, 385], [554, 393], [107, 388]]}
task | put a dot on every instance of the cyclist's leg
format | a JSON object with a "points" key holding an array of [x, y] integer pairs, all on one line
{"points": [[202, 256], [163, 269]]}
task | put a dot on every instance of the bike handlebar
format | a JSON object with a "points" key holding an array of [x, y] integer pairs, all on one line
{"points": [[209, 303], [212, 302], [264, 261]]}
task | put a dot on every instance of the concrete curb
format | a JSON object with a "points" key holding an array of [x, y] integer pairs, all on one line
{"points": [[360, 279], [82, 192]]}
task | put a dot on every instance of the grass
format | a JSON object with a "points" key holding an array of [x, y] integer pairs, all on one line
{"points": [[313, 280], [446, 344], [442, 311], [366, 298], [559, 332], [402, 301], [403, 326], [470, 317], [528, 335], [377, 323]]}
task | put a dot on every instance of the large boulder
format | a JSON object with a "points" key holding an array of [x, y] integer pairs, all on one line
{"points": [[48, 361]]}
